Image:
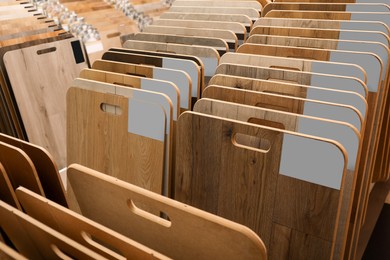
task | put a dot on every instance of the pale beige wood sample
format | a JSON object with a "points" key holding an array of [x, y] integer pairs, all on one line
{"points": [[349, 7], [45, 166], [243, 183], [83, 230], [340, 34], [40, 96], [19, 168], [319, 127], [7, 193], [208, 56], [178, 77], [324, 24], [237, 28], [216, 43], [226, 35], [189, 64], [37, 241], [105, 142], [238, 18], [250, 12], [195, 233]]}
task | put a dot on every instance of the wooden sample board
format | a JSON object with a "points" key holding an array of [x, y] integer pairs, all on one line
{"points": [[208, 55], [164, 87], [119, 140], [43, 109], [324, 24], [37, 241], [237, 28], [226, 35], [348, 98], [47, 170], [19, 168], [180, 78], [237, 18], [7, 193], [7, 252], [267, 195], [248, 11], [188, 66], [354, 117], [219, 44], [343, 7], [340, 34], [220, 238], [76, 226]]}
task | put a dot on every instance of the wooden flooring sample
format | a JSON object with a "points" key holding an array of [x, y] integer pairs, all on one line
{"points": [[260, 186], [37, 241], [75, 226], [7, 192], [19, 168], [122, 209], [107, 132], [46, 168], [40, 94]]}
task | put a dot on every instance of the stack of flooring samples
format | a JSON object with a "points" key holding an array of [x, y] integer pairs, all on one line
{"points": [[273, 117]]}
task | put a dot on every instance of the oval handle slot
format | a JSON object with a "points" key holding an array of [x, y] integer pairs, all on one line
{"points": [[48, 50], [278, 93], [111, 109], [102, 246], [149, 216], [251, 142]]}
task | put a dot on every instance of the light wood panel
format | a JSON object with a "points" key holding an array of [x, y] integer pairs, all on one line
{"points": [[81, 229], [195, 233]]}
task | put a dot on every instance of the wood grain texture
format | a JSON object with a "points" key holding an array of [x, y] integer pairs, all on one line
{"points": [[216, 43], [75, 226], [324, 24], [45, 166], [209, 186], [101, 140], [195, 233], [7, 193], [237, 28], [178, 77], [37, 241], [238, 18], [275, 101], [14, 122], [139, 57], [294, 77], [160, 86], [250, 12], [226, 35], [297, 90], [43, 109], [338, 7], [300, 67], [19, 168], [289, 243]]}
